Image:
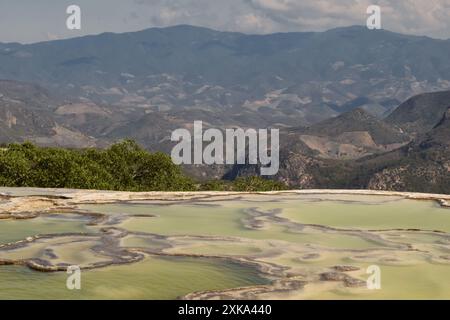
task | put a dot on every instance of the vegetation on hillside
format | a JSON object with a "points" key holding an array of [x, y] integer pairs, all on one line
{"points": [[123, 166], [244, 184]]}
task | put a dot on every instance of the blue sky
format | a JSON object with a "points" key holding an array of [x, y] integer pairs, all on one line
{"points": [[39, 20]]}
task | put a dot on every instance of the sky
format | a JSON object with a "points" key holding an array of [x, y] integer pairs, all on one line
{"points": [[28, 21]]}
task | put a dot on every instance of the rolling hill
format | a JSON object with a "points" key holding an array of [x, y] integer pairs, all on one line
{"points": [[351, 135]]}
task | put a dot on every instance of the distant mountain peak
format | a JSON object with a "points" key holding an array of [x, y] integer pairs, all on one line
{"points": [[359, 120]]}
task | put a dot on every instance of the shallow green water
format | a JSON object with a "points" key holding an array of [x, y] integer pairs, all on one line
{"points": [[306, 234], [422, 281], [15, 230], [154, 278], [404, 214], [224, 220]]}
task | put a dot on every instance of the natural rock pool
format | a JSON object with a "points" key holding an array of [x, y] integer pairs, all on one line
{"points": [[288, 245]]}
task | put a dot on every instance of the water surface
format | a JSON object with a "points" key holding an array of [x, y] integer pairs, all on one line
{"points": [[301, 236]]}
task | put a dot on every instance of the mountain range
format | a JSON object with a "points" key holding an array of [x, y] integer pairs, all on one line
{"points": [[421, 165], [357, 108], [290, 79]]}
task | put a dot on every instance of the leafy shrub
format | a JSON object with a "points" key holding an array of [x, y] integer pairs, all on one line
{"points": [[250, 184], [123, 166]]}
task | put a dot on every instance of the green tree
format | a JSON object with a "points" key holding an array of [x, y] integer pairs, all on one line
{"points": [[250, 184]]}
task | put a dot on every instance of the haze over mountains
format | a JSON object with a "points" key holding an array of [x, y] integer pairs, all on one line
{"points": [[287, 78], [332, 93]]}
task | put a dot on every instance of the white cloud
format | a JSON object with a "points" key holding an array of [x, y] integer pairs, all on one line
{"points": [[419, 17], [422, 17], [428, 17], [251, 22], [51, 36]]}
